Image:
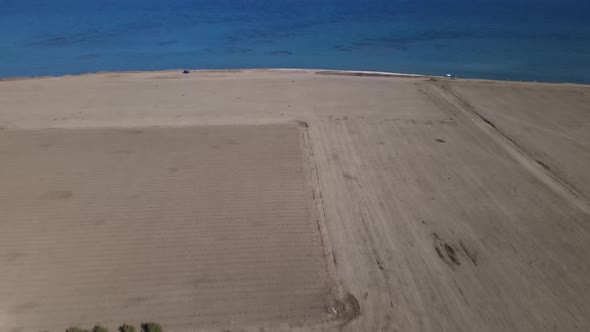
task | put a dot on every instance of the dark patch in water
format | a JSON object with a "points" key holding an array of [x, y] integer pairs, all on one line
{"points": [[87, 56], [402, 42], [343, 48], [88, 37], [168, 42], [238, 50], [264, 41], [281, 53], [568, 36], [57, 40]]}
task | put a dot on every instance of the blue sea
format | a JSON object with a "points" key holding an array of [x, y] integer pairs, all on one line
{"points": [[534, 40]]}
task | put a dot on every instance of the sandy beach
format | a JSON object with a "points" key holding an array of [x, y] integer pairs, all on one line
{"points": [[294, 200]]}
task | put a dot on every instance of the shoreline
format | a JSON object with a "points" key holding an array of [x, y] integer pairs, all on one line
{"points": [[328, 72]]}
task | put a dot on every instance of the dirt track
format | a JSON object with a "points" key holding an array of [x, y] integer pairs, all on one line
{"points": [[442, 204]]}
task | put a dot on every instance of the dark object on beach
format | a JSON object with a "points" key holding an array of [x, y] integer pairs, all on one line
{"points": [[186, 71], [151, 327]]}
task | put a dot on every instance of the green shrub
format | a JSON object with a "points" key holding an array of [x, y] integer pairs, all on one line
{"points": [[98, 328], [126, 328], [75, 329], [151, 327]]}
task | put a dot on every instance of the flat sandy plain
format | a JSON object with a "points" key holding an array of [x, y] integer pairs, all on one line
{"points": [[267, 200]]}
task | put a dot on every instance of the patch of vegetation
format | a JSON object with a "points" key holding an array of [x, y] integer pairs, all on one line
{"points": [[126, 328], [151, 327], [145, 327], [75, 329], [98, 328]]}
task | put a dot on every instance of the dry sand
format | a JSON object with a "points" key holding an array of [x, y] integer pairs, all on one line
{"points": [[290, 200]]}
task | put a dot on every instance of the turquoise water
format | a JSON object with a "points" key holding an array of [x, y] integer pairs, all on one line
{"points": [[497, 39]]}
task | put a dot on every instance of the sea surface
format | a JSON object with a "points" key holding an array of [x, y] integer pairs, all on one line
{"points": [[533, 40]]}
